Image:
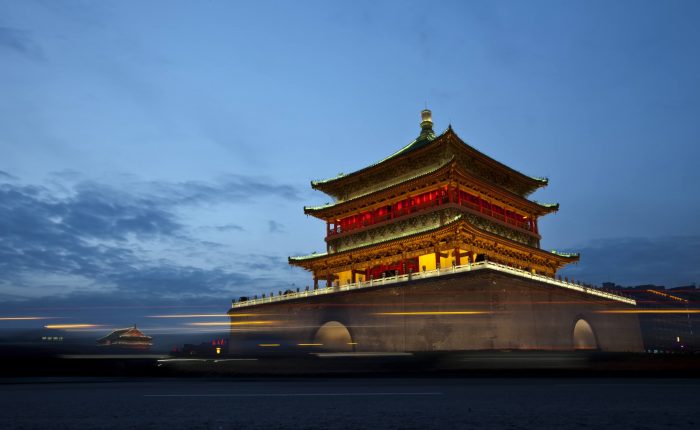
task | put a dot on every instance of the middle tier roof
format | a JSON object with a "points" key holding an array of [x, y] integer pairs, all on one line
{"points": [[448, 172]]}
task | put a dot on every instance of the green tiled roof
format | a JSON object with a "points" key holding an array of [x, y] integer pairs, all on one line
{"points": [[309, 257], [319, 207], [410, 233], [425, 138], [554, 206], [403, 180]]}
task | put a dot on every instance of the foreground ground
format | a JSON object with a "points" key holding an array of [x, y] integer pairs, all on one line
{"points": [[349, 403]]}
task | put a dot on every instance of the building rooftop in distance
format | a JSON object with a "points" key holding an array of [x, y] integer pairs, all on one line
{"points": [[129, 337]]}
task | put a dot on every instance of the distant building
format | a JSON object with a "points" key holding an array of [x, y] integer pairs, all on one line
{"points": [[669, 318], [126, 337]]}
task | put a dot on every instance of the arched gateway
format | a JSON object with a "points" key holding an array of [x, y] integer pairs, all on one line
{"points": [[334, 336], [584, 338]]}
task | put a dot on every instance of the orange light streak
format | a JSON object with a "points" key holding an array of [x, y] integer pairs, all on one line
{"points": [[237, 323], [21, 318], [427, 313], [309, 344], [268, 345], [69, 326], [670, 296], [191, 316]]}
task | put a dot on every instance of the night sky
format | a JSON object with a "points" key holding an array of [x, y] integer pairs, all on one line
{"points": [[155, 157]]}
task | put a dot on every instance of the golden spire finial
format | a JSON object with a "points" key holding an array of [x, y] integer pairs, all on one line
{"points": [[426, 117]]}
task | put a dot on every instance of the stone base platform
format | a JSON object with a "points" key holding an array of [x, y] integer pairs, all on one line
{"points": [[475, 310]]}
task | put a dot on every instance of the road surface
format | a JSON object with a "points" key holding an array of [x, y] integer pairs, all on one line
{"points": [[349, 403]]}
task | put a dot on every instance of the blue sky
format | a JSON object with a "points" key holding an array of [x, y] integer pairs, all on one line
{"points": [[160, 153]]}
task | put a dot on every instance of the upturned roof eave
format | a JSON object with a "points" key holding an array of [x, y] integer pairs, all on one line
{"points": [[317, 211], [313, 210], [536, 182], [416, 144]]}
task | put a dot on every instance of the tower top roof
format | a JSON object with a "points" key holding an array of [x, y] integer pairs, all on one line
{"points": [[524, 185]]}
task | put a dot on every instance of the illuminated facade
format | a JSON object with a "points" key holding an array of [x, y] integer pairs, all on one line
{"points": [[434, 248], [436, 203]]}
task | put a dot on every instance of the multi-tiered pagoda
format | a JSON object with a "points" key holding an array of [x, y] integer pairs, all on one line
{"points": [[435, 248], [435, 203]]}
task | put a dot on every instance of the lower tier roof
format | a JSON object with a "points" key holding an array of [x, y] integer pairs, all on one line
{"points": [[456, 230]]}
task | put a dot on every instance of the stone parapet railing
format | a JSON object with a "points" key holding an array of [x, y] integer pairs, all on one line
{"points": [[435, 273]]}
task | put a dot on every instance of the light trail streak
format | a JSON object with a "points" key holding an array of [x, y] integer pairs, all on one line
{"points": [[70, 326], [193, 316], [22, 318], [78, 308], [231, 323], [309, 344], [268, 345], [650, 311], [428, 313], [669, 296]]}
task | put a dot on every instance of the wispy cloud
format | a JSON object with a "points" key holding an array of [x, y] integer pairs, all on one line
{"points": [[6, 176], [231, 188], [275, 227], [229, 227], [94, 234], [20, 42]]}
